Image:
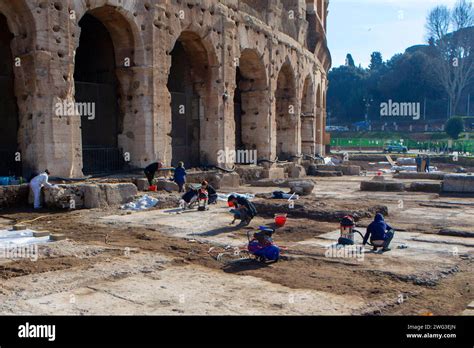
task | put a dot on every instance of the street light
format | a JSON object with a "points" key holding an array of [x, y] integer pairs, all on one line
{"points": [[367, 102]]}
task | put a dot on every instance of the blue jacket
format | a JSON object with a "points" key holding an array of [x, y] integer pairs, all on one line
{"points": [[179, 174], [376, 230]]}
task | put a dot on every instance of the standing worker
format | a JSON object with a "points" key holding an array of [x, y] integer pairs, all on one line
{"points": [[427, 163], [180, 176], [150, 171], [418, 163], [36, 184]]}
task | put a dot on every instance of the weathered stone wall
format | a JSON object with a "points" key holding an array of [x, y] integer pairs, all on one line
{"points": [[262, 38]]}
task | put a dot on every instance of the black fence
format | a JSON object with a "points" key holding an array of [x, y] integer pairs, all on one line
{"points": [[102, 160], [8, 164]]}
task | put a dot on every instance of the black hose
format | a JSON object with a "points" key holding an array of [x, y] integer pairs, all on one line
{"points": [[266, 161], [309, 156], [225, 169], [363, 237], [58, 178], [209, 167]]}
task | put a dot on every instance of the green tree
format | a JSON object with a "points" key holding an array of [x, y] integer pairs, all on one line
{"points": [[454, 127], [346, 93], [376, 61], [350, 60], [451, 42]]}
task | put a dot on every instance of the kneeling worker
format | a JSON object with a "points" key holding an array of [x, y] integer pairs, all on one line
{"points": [[380, 233], [36, 184], [244, 210], [212, 193]]}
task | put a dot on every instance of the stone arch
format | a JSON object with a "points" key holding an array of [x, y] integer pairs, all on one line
{"points": [[308, 125], [286, 114], [21, 24], [194, 100], [125, 33], [104, 62], [251, 105]]}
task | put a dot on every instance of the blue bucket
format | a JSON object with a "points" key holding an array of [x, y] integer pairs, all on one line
{"points": [[4, 180]]}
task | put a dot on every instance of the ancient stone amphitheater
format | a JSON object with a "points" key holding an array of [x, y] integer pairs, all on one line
{"points": [[90, 86]]}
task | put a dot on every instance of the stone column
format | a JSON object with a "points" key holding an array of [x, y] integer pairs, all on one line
{"points": [[44, 80], [139, 137], [319, 133], [308, 134], [225, 94]]}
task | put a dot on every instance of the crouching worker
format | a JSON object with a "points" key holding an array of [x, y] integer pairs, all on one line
{"points": [[36, 184], [203, 198], [211, 192], [262, 245], [380, 233], [150, 171], [244, 210], [189, 198]]}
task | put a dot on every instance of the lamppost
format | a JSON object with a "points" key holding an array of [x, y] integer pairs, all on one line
{"points": [[367, 102]]}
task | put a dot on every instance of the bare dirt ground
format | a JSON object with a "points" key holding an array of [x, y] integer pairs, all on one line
{"points": [[158, 262]]}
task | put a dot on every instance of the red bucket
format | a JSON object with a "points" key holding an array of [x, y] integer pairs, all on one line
{"points": [[280, 220], [152, 188]]}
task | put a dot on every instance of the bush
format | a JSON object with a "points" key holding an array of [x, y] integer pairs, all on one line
{"points": [[454, 127]]}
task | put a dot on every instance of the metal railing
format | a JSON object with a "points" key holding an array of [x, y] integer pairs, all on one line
{"points": [[102, 160]]}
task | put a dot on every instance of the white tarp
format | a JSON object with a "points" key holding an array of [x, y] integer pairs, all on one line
{"points": [[143, 203], [224, 196], [402, 161], [10, 238], [410, 168], [332, 161]]}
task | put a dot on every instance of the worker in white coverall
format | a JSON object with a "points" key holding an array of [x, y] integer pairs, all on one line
{"points": [[37, 183]]}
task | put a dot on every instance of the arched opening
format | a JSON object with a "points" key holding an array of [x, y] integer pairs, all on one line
{"points": [[308, 130], [239, 144], [9, 121], [307, 100], [311, 18], [97, 97], [251, 104], [286, 114], [189, 86]]}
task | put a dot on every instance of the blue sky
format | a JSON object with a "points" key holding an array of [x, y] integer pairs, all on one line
{"points": [[360, 27]]}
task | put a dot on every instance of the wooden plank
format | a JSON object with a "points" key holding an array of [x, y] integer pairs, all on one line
{"points": [[19, 227], [38, 234], [57, 236], [390, 160]]}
